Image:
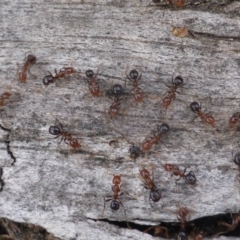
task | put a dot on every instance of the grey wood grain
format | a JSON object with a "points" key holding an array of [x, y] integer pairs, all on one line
{"points": [[59, 189]]}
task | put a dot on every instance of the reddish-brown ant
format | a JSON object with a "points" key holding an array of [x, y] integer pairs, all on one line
{"points": [[230, 227], [93, 83], [62, 73], [66, 137], [176, 3], [170, 95], [208, 118], [4, 97], [117, 91], [22, 74], [189, 178], [134, 77], [134, 150], [115, 202], [155, 193], [148, 143], [183, 215], [158, 230], [234, 120]]}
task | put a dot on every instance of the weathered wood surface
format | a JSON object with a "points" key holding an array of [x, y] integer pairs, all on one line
{"points": [[58, 189]]}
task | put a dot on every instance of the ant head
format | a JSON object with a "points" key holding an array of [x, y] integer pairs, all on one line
{"points": [[191, 178], [195, 107], [89, 73], [134, 151], [163, 128], [31, 59], [133, 74], [177, 81], [114, 205], [117, 89], [155, 195], [54, 130], [48, 79], [236, 159], [182, 235]]}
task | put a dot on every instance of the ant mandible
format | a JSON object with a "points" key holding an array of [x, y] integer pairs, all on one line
{"points": [[189, 178], [62, 73], [66, 137], [148, 143], [134, 77], [93, 82], [117, 91], [115, 202], [208, 118], [22, 74], [234, 120], [170, 95], [155, 193]]}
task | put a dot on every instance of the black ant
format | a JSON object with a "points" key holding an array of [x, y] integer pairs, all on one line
{"points": [[155, 193], [208, 118], [134, 77], [117, 91], [170, 95], [66, 137], [22, 74], [62, 73], [115, 202], [189, 178], [148, 143]]}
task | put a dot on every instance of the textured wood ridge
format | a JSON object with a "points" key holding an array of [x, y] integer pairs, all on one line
{"points": [[59, 189]]}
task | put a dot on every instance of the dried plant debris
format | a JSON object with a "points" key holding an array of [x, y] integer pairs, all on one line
{"points": [[180, 32], [23, 231]]}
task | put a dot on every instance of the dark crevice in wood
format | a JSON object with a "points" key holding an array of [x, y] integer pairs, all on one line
{"points": [[208, 225], [23, 231]]}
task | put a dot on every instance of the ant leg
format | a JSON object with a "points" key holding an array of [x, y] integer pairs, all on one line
{"points": [[105, 200], [124, 209]]}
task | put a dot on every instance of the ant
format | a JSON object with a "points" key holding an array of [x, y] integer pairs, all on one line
{"points": [[189, 178], [66, 137], [22, 74], [158, 230], [230, 227], [4, 97], [176, 3], [134, 78], [183, 214], [115, 202], [148, 143], [170, 95], [208, 118], [62, 73], [236, 160], [93, 83], [155, 194], [234, 120], [116, 90], [134, 150]]}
